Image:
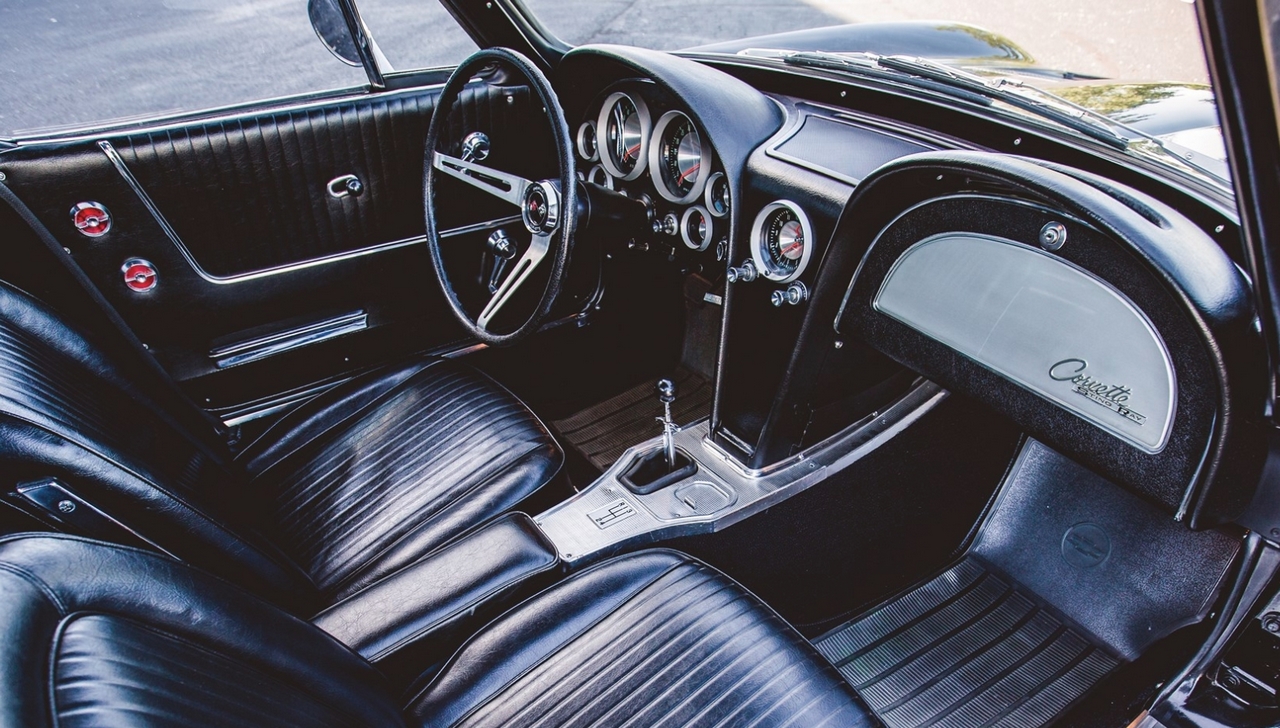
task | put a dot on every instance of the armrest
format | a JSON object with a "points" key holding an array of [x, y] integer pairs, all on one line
{"points": [[413, 619]]}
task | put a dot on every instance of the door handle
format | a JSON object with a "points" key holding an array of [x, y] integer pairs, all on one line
{"points": [[348, 185]]}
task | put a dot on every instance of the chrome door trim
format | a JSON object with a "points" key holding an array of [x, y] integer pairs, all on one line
{"points": [[172, 235], [243, 352]]}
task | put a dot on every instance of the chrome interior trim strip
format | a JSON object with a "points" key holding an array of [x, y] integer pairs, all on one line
{"points": [[278, 343], [681, 509], [210, 117], [172, 234], [270, 405]]}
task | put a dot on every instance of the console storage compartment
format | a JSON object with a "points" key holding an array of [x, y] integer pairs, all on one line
{"points": [[419, 615]]}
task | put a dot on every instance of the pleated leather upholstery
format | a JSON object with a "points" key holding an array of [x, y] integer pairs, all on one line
{"points": [[95, 634], [107, 635], [651, 639], [361, 480], [232, 166], [250, 193], [397, 470]]}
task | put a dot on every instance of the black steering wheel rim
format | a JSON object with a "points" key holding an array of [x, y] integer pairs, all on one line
{"points": [[560, 239]]}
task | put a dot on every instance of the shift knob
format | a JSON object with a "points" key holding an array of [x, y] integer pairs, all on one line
{"points": [[666, 391]]}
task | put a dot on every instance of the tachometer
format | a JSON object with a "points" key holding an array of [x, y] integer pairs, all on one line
{"points": [[781, 241], [678, 163], [623, 135]]}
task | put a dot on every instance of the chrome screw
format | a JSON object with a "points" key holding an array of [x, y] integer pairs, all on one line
{"points": [[1053, 236]]}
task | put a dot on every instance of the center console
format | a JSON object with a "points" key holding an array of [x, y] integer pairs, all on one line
{"points": [[703, 488]]}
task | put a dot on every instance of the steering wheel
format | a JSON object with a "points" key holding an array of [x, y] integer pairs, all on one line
{"points": [[548, 207]]}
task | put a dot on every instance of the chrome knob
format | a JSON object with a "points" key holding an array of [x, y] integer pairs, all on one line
{"points": [[793, 295], [745, 273], [666, 391], [500, 244], [667, 224], [475, 147]]}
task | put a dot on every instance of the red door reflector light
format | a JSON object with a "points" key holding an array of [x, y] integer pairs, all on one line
{"points": [[139, 275], [91, 218]]}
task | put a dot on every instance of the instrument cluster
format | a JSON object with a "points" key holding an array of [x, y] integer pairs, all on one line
{"points": [[633, 149]]}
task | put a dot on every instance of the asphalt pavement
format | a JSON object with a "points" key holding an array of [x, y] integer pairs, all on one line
{"points": [[68, 62]]}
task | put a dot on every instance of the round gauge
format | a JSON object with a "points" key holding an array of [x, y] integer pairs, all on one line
{"points": [[781, 241], [623, 135], [587, 147], [717, 194], [695, 228], [598, 176], [677, 162]]}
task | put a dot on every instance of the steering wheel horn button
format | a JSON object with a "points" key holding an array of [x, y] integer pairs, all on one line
{"points": [[139, 275], [91, 218], [541, 207]]}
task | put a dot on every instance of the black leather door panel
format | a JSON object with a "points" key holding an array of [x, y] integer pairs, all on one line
{"points": [[250, 194], [236, 217]]}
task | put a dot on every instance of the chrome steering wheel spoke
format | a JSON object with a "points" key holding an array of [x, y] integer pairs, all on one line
{"points": [[520, 272], [504, 186]]}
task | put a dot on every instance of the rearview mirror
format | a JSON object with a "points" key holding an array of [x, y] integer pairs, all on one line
{"points": [[331, 27]]}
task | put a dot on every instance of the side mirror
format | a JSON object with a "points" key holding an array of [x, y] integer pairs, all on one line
{"points": [[331, 27]]}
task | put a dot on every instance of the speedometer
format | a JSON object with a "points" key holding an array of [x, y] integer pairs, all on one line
{"points": [[623, 135], [678, 163], [781, 241]]}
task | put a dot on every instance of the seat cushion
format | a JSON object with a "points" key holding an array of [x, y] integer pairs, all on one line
{"points": [[384, 469], [93, 634], [649, 639]]}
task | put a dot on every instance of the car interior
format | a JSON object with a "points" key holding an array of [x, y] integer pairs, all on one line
{"points": [[635, 389]]}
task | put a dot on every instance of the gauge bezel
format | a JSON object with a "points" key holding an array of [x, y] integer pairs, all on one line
{"points": [[646, 133], [758, 242], [684, 228], [581, 140], [655, 161], [706, 196], [605, 179]]}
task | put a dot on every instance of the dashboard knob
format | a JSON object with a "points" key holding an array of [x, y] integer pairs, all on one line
{"points": [[793, 295], [744, 273], [667, 224]]}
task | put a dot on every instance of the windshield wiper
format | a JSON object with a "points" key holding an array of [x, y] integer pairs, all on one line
{"points": [[866, 64], [934, 76]]}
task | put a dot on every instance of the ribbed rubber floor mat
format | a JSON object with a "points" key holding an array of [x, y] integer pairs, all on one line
{"points": [[968, 649], [602, 431]]}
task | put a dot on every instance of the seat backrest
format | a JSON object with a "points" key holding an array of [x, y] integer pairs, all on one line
{"points": [[100, 634], [70, 416]]}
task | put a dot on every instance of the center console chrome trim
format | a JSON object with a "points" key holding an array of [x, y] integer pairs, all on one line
{"points": [[663, 514]]}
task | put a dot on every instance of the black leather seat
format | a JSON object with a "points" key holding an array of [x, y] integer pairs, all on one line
{"points": [[97, 634], [349, 487]]}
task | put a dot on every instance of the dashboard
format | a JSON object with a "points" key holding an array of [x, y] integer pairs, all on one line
{"points": [[766, 179]]}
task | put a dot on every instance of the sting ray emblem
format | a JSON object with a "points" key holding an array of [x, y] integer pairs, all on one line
{"points": [[1114, 397]]}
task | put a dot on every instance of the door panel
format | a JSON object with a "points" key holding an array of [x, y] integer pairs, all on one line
{"points": [[247, 195], [250, 246]]}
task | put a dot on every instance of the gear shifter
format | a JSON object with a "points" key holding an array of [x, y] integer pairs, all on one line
{"points": [[658, 468], [667, 395]]}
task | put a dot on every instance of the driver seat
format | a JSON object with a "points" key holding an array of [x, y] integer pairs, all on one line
{"points": [[349, 487]]}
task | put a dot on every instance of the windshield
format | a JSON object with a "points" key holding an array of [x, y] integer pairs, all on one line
{"points": [[1133, 73], [1134, 40]]}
